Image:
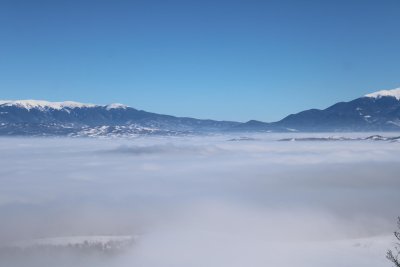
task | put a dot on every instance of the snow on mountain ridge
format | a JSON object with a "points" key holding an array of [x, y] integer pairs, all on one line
{"points": [[44, 105], [394, 93], [116, 106]]}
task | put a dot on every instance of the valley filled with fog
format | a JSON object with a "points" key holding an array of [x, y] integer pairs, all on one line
{"points": [[222, 200]]}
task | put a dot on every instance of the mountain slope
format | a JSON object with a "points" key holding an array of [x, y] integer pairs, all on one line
{"points": [[30, 117], [379, 111]]}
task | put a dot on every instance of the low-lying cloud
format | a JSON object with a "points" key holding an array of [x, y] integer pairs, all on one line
{"points": [[203, 201]]}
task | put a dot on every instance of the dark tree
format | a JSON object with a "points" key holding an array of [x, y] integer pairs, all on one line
{"points": [[394, 256]]}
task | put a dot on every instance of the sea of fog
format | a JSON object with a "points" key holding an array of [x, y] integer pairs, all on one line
{"points": [[215, 201]]}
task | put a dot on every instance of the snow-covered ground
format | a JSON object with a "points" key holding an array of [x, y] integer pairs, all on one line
{"points": [[224, 200]]}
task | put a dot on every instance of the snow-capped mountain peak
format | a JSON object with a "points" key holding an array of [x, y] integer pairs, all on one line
{"points": [[43, 105], [393, 93], [116, 106], [46, 105]]}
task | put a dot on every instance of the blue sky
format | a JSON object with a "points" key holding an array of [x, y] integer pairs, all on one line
{"points": [[234, 60]]}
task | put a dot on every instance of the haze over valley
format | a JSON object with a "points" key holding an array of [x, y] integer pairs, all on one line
{"points": [[197, 201], [209, 133]]}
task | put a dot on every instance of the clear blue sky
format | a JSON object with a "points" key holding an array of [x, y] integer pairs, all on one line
{"points": [[235, 60]]}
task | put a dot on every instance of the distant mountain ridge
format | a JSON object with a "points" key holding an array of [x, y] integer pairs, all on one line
{"points": [[379, 111], [32, 117]]}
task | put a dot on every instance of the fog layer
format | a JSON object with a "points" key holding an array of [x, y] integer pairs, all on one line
{"points": [[203, 201]]}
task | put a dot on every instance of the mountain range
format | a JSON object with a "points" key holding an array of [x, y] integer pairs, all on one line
{"points": [[379, 111]]}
